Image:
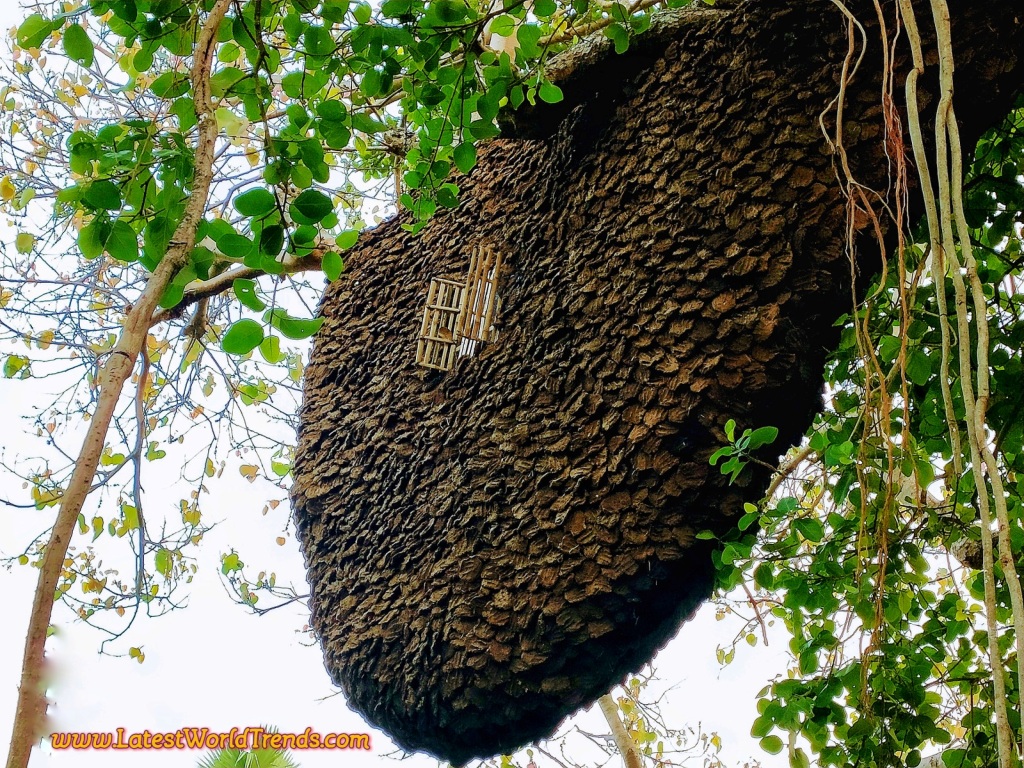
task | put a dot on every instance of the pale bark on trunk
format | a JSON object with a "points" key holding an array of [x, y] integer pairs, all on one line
{"points": [[30, 713]]}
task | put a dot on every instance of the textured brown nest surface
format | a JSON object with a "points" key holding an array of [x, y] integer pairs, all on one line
{"points": [[491, 548]]}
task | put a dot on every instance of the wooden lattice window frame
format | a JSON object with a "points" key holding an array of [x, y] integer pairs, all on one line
{"points": [[459, 315]]}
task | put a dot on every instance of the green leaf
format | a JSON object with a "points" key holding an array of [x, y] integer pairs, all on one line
{"points": [[92, 237], [255, 202], [771, 744], [333, 265], [102, 194], [245, 292], [762, 727], [954, 757], [318, 41], [618, 35], [550, 93], [396, 9], [33, 31], [528, 36], [370, 85], [334, 10], [14, 364], [170, 85], [163, 562], [293, 327], [142, 60], [270, 348], [347, 239], [810, 529], [230, 563], [762, 436], [362, 12], [311, 207], [722, 452], [234, 245], [919, 367], [764, 576], [465, 157], [122, 242], [185, 110], [272, 240], [78, 45], [242, 337], [503, 25]]}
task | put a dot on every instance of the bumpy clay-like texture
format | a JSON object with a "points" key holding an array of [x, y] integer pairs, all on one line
{"points": [[491, 548]]}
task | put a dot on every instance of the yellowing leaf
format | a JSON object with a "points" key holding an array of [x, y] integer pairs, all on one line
{"points": [[190, 513], [45, 339], [24, 242], [93, 585], [280, 541], [7, 189], [249, 472], [46, 498]]}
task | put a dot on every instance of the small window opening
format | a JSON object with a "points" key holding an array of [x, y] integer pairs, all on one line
{"points": [[459, 315]]}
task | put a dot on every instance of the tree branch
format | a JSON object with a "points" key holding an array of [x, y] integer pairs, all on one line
{"points": [[624, 742], [223, 282], [30, 714]]}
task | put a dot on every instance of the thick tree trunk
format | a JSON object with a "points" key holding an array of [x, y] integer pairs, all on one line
{"points": [[492, 548]]}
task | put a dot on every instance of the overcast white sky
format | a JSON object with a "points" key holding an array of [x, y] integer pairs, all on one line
{"points": [[216, 665]]}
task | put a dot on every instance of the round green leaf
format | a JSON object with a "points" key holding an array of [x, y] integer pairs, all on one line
{"points": [[78, 45], [771, 744], [122, 242], [102, 194], [255, 202], [302, 177], [304, 234], [465, 157], [234, 245], [503, 25], [347, 239], [242, 337], [550, 93], [310, 207]]}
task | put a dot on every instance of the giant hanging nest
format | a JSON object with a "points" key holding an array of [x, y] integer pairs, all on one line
{"points": [[493, 547]]}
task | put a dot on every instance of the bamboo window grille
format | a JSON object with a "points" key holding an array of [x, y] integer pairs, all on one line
{"points": [[459, 315]]}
